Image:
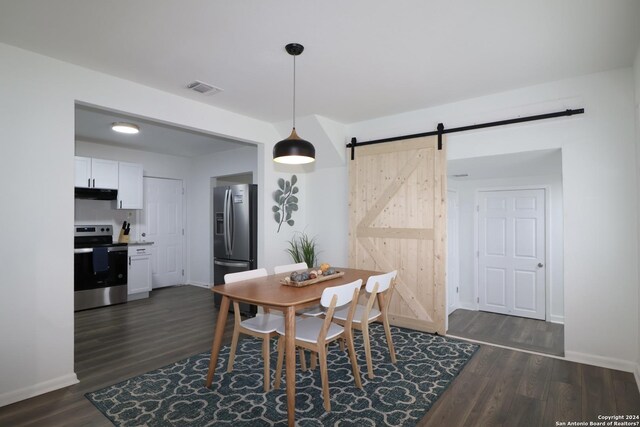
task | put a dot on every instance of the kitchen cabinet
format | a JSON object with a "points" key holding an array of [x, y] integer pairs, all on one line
{"points": [[96, 173], [139, 274], [130, 185]]}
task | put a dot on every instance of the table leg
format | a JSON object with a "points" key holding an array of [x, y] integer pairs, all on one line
{"points": [[217, 338], [290, 349]]}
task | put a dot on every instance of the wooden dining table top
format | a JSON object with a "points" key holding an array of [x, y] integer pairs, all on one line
{"points": [[270, 292]]}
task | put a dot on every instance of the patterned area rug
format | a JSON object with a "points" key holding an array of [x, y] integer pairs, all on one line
{"points": [[399, 395]]}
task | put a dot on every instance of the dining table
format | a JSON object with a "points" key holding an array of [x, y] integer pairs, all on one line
{"points": [[269, 292]]}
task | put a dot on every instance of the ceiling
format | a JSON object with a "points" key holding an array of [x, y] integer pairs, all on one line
{"points": [[528, 163], [363, 58], [94, 125]]}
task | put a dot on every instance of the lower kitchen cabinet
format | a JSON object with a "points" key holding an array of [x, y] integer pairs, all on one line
{"points": [[139, 275]]}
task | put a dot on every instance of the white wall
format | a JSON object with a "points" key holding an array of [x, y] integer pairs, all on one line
{"points": [[328, 206], [600, 191], [200, 216], [467, 234], [37, 98], [636, 74]]}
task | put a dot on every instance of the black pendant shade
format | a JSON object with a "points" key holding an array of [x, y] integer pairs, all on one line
{"points": [[294, 150]]}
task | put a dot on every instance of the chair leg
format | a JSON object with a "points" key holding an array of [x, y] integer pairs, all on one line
{"points": [[353, 358], [367, 349], [342, 344], [314, 360], [322, 353], [303, 359], [232, 352], [276, 382], [266, 342], [387, 331]]}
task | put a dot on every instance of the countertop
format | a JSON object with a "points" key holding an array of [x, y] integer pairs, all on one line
{"points": [[140, 243]]}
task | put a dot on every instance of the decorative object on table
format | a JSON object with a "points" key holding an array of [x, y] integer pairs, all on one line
{"points": [[286, 201], [294, 150], [400, 394], [311, 277], [303, 249]]}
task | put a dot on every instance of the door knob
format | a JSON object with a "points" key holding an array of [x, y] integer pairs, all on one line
{"points": [[540, 265]]}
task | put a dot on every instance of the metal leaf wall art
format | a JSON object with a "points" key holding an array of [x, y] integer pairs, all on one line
{"points": [[286, 201]]}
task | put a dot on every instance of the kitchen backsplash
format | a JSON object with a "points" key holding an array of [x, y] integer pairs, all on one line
{"points": [[104, 212]]}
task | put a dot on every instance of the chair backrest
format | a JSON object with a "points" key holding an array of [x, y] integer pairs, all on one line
{"points": [[290, 267], [383, 281], [245, 275], [344, 294]]}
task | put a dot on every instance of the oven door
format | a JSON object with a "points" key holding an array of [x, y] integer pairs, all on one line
{"points": [[86, 278]]}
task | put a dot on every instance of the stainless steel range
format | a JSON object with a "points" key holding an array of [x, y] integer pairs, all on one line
{"points": [[100, 267]]}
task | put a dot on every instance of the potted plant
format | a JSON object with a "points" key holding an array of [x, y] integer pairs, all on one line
{"points": [[303, 249]]}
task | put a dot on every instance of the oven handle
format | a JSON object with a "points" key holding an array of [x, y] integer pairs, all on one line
{"points": [[89, 250]]}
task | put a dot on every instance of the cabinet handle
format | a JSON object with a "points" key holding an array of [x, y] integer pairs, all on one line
{"points": [[94, 183], [89, 182], [129, 260], [120, 204]]}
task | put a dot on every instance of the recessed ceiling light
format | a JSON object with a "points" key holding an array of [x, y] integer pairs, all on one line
{"points": [[124, 127]]}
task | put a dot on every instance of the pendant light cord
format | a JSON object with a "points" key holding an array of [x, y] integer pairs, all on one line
{"points": [[294, 91]]}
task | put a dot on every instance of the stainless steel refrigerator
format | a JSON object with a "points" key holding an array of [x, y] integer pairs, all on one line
{"points": [[235, 234]]}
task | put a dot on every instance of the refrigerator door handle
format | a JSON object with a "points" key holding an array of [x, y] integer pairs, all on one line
{"points": [[225, 220], [232, 223], [231, 264]]}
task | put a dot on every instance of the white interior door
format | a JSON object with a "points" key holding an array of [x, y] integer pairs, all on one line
{"points": [[511, 255], [163, 225], [453, 265]]}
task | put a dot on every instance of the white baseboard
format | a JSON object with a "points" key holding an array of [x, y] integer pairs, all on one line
{"points": [[556, 319], [199, 284], [468, 306], [37, 389], [603, 362]]}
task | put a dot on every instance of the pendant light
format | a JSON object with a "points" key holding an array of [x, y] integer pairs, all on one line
{"points": [[294, 150]]}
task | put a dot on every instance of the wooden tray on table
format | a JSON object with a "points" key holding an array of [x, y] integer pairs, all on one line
{"points": [[312, 281]]}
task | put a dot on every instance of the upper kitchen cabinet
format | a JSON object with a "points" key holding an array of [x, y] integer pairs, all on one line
{"points": [[130, 186], [83, 172], [96, 173]]}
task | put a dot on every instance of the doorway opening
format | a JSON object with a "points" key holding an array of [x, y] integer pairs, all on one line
{"points": [[505, 237]]}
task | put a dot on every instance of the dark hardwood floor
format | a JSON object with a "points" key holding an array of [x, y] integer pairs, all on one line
{"points": [[497, 387], [510, 331], [118, 342]]}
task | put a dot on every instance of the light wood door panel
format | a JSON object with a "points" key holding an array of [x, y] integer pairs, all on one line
{"points": [[397, 214]]}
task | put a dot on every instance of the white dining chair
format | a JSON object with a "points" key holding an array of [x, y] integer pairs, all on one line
{"points": [[314, 310], [262, 326], [288, 268], [315, 334], [380, 288]]}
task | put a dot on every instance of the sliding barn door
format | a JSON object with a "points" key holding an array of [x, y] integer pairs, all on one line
{"points": [[397, 221]]}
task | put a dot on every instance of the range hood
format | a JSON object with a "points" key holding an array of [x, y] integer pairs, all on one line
{"points": [[95, 193]]}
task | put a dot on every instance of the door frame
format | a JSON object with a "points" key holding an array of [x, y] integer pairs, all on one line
{"points": [[547, 241], [456, 250], [184, 242]]}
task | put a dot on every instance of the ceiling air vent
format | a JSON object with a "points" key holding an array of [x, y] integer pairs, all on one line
{"points": [[203, 88]]}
